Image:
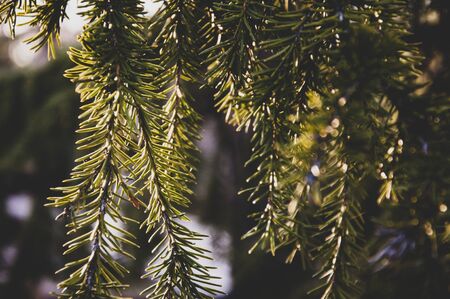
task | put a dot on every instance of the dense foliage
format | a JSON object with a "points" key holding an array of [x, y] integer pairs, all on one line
{"points": [[325, 90]]}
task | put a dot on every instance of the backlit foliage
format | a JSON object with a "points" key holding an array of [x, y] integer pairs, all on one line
{"points": [[319, 85]]}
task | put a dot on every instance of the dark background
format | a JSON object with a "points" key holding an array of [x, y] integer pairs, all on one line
{"points": [[38, 116]]}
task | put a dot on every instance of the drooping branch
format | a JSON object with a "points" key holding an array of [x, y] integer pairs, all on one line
{"points": [[105, 80], [167, 138], [48, 17], [9, 10]]}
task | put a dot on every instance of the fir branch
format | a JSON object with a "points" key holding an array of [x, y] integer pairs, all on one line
{"points": [[231, 57], [267, 136], [278, 94], [175, 266], [342, 171], [341, 250], [106, 78], [94, 199], [9, 10], [230, 71], [181, 68], [48, 17], [167, 137]]}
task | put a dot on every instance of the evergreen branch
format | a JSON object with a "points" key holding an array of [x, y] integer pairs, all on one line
{"points": [[175, 266], [167, 137], [48, 17], [96, 275], [341, 171], [279, 87], [268, 135], [8, 11], [106, 75], [232, 56], [340, 249], [180, 68]]}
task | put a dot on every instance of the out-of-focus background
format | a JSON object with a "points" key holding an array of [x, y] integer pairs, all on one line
{"points": [[38, 117]]}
